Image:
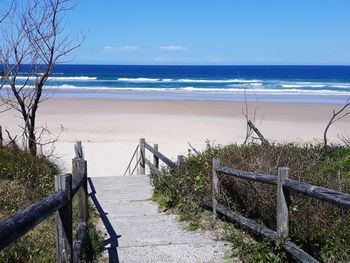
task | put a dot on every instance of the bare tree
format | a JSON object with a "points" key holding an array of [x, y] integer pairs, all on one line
{"points": [[3, 15], [337, 115], [250, 122], [33, 42]]}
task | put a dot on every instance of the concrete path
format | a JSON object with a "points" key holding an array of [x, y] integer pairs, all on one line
{"points": [[137, 232]]}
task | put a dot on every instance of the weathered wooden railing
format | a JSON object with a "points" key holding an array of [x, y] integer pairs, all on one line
{"points": [[135, 157], [66, 187], [1, 138], [141, 161], [284, 186]]}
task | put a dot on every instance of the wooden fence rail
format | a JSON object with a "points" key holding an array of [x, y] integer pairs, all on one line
{"points": [[282, 181], [284, 186], [139, 156], [128, 169], [66, 187], [159, 156], [321, 193]]}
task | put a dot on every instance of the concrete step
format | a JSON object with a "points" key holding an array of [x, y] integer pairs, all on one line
{"points": [[143, 234], [123, 188]]}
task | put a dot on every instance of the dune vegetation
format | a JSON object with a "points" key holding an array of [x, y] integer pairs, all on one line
{"points": [[24, 180], [321, 229]]}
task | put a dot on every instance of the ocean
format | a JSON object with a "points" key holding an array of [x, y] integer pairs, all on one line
{"points": [[311, 84]]}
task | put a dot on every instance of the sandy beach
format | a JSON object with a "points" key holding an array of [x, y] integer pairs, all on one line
{"points": [[110, 129]]}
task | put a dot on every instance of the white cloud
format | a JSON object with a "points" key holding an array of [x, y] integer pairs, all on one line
{"points": [[129, 47], [123, 48], [174, 48]]}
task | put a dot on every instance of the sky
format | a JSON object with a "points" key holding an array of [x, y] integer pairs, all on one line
{"points": [[228, 32]]}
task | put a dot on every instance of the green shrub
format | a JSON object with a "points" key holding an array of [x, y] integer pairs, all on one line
{"points": [[24, 180], [322, 229]]}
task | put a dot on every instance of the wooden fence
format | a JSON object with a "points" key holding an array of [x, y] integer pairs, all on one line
{"points": [[140, 159], [1, 137], [60, 202], [282, 181], [284, 186]]}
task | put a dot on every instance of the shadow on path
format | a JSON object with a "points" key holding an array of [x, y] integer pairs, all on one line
{"points": [[113, 237]]}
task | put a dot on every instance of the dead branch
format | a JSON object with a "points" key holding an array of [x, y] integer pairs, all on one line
{"points": [[12, 141], [256, 130], [194, 149], [251, 127], [337, 115], [345, 139]]}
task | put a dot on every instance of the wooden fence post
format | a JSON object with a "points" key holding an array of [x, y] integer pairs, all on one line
{"points": [[1, 138], [155, 158], [79, 167], [78, 149], [180, 160], [282, 206], [142, 157], [64, 234], [215, 189]]}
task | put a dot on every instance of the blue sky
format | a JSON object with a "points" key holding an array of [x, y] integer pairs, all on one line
{"points": [[213, 31]]}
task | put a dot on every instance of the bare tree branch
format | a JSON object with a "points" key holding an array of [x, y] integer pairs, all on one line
{"points": [[12, 141], [337, 115], [7, 12], [251, 127], [345, 139]]}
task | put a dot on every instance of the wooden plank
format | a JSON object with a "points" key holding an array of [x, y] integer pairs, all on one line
{"points": [[321, 193], [64, 232], [79, 170], [282, 206], [1, 138], [85, 195], [251, 176], [155, 158], [289, 247], [77, 182], [324, 194], [19, 224], [152, 167], [79, 241], [251, 224], [297, 253], [132, 158], [142, 156], [78, 150], [215, 186], [162, 157]]}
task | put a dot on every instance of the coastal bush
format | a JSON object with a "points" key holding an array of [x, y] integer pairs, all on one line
{"points": [[25, 179], [323, 230]]}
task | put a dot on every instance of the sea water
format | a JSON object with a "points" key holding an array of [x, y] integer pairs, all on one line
{"points": [[311, 84]]}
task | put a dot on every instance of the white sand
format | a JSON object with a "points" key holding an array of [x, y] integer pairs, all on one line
{"points": [[110, 129]]}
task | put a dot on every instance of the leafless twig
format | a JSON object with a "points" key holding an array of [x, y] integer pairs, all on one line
{"points": [[337, 115]]}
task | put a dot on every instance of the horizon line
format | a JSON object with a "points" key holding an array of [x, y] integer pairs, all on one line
{"points": [[206, 65]]}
